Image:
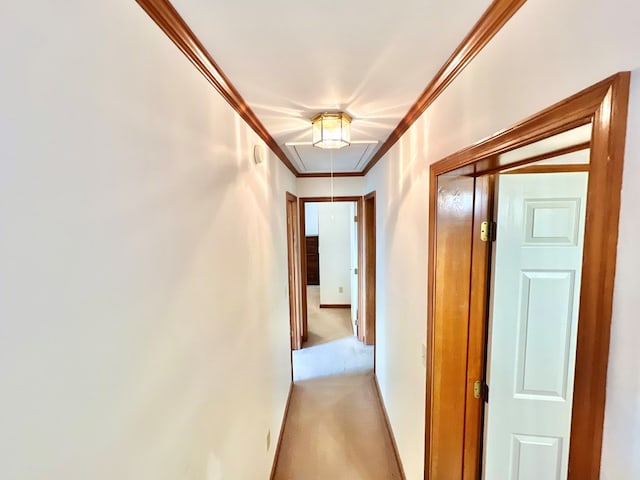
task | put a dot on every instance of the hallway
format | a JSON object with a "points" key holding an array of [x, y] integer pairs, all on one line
{"points": [[335, 426], [335, 429], [158, 159], [332, 349]]}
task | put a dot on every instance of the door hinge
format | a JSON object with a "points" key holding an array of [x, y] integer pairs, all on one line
{"points": [[477, 389], [481, 391], [355, 271], [488, 231], [355, 218]]}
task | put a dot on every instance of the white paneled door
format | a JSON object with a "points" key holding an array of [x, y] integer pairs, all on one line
{"points": [[534, 320]]}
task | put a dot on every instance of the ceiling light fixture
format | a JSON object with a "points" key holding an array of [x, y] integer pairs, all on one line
{"points": [[331, 130]]}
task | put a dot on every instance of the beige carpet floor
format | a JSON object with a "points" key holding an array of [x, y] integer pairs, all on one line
{"points": [[331, 349], [325, 324], [335, 427], [335, 430]]}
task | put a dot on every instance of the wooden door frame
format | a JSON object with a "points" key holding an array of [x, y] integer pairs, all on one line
{"points": [[303, 254], [294, 271], [605, 105], [369, 240]]}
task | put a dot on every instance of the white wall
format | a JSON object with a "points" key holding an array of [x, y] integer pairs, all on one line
{"points": [[335, 252], [134, 227], [547, 52], [321, 187], [311, 219]]}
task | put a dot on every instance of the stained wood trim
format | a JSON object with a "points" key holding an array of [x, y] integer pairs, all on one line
{"points": [[335, 305], [605, 104], [328, 174], [599, 266], [575, 111], [163, 13], [276, 455], [387, 422], [453, 246], [294, 272], [303, 250], [484, 30], [430, 342], [369, 220], [477, 336], [351, 198]]}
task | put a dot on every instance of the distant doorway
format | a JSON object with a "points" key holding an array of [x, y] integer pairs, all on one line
{"points": [[333, 295]]}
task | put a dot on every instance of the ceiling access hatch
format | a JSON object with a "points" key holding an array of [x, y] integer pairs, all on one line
{"points": [[310, 159]]}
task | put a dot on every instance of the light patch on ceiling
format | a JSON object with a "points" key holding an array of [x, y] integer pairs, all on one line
{"points": [[310, 159]]}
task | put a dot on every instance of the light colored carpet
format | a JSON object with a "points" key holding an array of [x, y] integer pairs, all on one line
{"points": [[335, 430], [331, 349]]}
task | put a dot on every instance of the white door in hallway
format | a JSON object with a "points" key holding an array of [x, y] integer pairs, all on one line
{"points": [[534, 320], [354, 270]]}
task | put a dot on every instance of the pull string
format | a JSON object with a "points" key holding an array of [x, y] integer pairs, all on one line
{"points": [[331, 156]]}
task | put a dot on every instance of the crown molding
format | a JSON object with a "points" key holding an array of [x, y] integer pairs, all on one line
{"points": [[493, 19], [163, 13], [329, 174]]}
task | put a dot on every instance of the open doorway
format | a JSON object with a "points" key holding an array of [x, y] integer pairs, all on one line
{"points": [[525, 226], [334, 318]]}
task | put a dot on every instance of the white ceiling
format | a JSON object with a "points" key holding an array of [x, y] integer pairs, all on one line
{"points": [[291, 59], [310, 159]]}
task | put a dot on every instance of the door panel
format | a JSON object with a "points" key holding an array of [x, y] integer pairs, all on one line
{"points": [[544, 340], [535, 300], [535, 457]]}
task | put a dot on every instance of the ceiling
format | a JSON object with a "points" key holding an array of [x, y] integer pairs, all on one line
{"points": [[292, 59]]}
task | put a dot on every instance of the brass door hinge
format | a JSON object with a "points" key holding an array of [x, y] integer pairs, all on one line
{"points": [[477, 389], [488, 231], [481, 391]]}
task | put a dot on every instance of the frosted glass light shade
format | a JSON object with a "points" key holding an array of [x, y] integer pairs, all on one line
{"points": [[331, 130]]}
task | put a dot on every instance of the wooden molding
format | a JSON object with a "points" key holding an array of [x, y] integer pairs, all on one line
{"points": [[484, 30], [387, 422], [335, 305], [282, 425], [328, 174], [605, 105], [348, 198], [164, 14], [369, 220], [172, 24], [293, 273]]}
